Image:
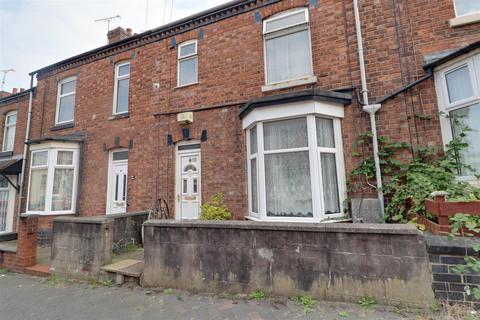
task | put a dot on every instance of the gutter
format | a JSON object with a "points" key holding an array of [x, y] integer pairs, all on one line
{"points": [[407, 87], [25, 152]]}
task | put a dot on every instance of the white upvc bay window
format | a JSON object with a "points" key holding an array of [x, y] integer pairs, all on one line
{"points": [[287, 45], [295, 166], [458, 91], [53, 178]]}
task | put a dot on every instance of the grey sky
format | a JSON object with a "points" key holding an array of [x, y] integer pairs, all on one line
{"points": [[36, 33]]}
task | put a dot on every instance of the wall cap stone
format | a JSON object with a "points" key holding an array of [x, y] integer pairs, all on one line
{"points": [[375, 228], [99, 219]]}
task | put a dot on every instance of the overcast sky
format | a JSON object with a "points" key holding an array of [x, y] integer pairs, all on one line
{"points": [[36, 33]]}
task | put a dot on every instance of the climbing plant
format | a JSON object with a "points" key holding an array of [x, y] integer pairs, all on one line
{"points": [[409, 183]]}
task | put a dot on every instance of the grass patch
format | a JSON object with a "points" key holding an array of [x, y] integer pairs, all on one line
{"points": [[367, 302], [343, 314], [307, 302], [257, 295], [168, 291], [4, 271]]}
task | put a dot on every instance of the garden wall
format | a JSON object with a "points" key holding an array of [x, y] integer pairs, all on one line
{"points": [[340, 262], [82, 245], [444, 254]]}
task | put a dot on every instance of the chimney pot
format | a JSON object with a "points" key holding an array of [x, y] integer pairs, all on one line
{"points": [[129, 32]]}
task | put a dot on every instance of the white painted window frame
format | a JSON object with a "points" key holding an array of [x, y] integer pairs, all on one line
{"points": [[186, 58], [462, 15], [289, 29], [329, 111], [115, 87], [472, 60], [53, 149], [60, 95], [8, 126]]}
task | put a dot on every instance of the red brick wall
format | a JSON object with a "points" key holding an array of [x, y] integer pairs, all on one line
{"points": [[231, 69]]}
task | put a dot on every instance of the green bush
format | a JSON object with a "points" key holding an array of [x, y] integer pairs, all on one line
{"points": [[214, 209]]}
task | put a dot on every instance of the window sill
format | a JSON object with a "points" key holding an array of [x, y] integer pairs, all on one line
{"points": [[5, 154], [289, 84], [119, 116], [187, 85], [37, 213], [63, 126], [464, 20], [304, 220]]}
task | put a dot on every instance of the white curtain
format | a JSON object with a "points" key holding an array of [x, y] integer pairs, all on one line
{"points": [[122, 95], [287, 184], [62, 189], [325, 134], [188, 71], [9, 138], [470, 117], [65, 110], [253, 187], [288, 56], [459, 84], [285, 134], [38, 187], [330, 183]]}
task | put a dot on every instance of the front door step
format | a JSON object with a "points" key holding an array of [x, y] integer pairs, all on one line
{"points": [[38, 270], [123, 270]]}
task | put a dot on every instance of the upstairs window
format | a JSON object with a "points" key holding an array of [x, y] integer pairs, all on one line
{"points": [[458, 90], [288, 53], [66, 100], [187, 63], [466, 7], [122, 84], [9, 132]]}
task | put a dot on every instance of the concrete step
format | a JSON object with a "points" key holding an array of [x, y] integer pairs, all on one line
{"points": [[38, 270], [124, 270]]}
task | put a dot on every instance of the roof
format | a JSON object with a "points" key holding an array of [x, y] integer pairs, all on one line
{"points": [[192, 22], [16, 95], [311, 94], [75, 137], [11, 166], [452, 55]]}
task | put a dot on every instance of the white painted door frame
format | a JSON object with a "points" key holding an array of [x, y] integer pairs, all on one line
{"points": [[179, 177], [112, 165]]}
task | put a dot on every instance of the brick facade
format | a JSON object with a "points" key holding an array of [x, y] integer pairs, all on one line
{"points": [[397, 36]]}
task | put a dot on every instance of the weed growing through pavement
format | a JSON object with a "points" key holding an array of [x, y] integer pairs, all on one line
{"points": [[257, 295]]}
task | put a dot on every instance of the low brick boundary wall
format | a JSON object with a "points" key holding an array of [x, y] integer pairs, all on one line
{"points": [[341, 262], [25, 253], [82, 245], [444, 254]]}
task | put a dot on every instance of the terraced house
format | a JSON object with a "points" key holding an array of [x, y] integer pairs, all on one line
{"points": [[261, 100]]}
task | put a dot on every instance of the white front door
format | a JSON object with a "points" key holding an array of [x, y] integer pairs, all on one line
{"points": [[117, 182], [7, 203], [188, 184]]}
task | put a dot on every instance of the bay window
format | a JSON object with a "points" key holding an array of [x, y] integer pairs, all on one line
{"points": [[288, 54], [53, 179], [295, 168], [458, 91]]}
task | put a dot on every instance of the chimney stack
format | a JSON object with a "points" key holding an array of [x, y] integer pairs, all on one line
{"points": [[14, 90], [118, 34], [22, 89]]}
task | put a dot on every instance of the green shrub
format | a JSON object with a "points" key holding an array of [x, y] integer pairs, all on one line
{"points": [[214, 209]]}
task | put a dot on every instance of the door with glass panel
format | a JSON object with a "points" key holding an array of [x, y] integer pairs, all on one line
{"points": [[118, 181], [188, 196], [7, 199]]}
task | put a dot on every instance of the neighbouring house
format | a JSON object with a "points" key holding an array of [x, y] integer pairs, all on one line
{"points": [[257, 99], [14, 109]]}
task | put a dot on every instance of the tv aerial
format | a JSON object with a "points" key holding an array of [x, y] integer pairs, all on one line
{"points": [[107, 20]]}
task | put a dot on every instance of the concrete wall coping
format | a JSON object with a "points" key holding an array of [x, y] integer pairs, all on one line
{"points": [[98, 219], [5, 248], [457, 246], [290, 226]]}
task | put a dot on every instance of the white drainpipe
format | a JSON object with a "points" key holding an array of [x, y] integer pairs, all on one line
{"points": [[370, 109], [25, 151]]}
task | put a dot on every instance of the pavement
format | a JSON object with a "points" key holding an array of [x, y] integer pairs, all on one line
{"points": [[26, 297]]}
